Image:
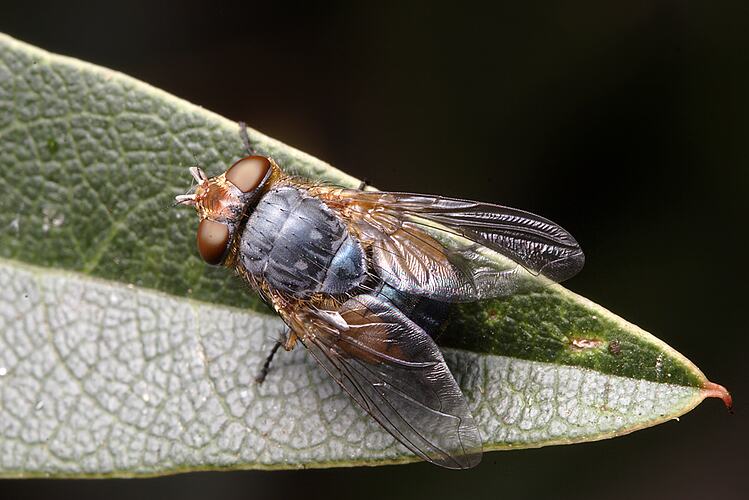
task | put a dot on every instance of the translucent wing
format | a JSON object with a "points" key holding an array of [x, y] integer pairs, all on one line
{"points": [[459, 250], [395, 371]]}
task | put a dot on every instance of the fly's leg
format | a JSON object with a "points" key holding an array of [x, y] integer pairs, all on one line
{"points": [[246, 139], [266, 366], [287, 340]]}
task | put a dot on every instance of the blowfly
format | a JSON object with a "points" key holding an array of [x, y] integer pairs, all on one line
{"points": [[336, 264]]}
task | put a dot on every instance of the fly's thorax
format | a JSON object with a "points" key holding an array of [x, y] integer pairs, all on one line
{"points": [[353, 207], [223, 202], [299, 246]]}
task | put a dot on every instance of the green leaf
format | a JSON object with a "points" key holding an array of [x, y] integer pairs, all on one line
{"points": [[122, 353]]}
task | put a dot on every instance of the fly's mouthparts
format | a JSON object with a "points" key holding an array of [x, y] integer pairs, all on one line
{"points": [[185, 199]]}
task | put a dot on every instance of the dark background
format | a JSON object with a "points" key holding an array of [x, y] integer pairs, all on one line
{"points": [[626, 122]]}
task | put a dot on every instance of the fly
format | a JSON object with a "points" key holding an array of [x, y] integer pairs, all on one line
{"points": [[341, 266]]}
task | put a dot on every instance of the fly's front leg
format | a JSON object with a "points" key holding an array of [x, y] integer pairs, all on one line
{"points": [[288, 341]]}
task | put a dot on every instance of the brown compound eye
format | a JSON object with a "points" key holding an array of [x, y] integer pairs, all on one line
{"points": [[248, 172], [213, 238]]}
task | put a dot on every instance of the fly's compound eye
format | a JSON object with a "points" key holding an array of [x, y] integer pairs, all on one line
{"points": [[213, 239], [248, 173]]}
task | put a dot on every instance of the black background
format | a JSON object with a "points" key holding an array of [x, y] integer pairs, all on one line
{"points": [[626, 122]]}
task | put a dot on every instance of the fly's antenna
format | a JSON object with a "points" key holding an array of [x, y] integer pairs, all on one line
{"points": [[189, 199], [196, 167], [198, 176]]}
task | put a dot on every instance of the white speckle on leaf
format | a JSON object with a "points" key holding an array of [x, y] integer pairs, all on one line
{"points": [[659, 366], [51, 219]]}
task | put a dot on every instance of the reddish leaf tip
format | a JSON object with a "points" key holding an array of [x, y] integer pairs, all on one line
{"points": [[712, 390]]}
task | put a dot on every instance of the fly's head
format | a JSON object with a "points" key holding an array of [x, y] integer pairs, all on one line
{"points": [[222, 201]]}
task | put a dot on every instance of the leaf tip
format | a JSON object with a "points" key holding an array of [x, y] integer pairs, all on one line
{"points": [[713, 390]]}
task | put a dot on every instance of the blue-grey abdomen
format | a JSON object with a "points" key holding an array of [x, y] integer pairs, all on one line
{"points": [[299, 245]]}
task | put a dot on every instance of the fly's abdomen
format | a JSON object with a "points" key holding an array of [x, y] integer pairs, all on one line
{"points": [[429, 314], [298, 245]]}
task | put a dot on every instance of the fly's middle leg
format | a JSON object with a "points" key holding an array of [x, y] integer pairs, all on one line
{"points": [[266, 365], [287, 340], [246, 139]]}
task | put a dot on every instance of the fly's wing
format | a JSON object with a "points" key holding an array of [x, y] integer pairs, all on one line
{"points": [[458, 250], [395, 371]]}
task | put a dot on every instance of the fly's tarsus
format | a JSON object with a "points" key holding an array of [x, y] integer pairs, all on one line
{"points": [[266, 365]]}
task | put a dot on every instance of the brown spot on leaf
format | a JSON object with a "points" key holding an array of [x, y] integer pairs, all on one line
{"points": [[615, 347]]}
